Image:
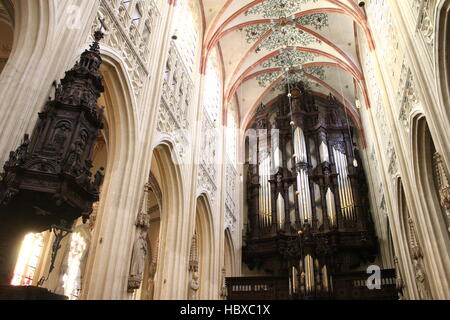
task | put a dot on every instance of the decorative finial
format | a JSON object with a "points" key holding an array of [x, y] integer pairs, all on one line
{"points": [[98, 35]]}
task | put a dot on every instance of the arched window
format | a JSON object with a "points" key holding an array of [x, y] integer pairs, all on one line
{"points": [[28, 260], [72, 277], [186, 31]]}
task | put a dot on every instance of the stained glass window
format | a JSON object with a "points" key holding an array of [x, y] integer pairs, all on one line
{"points": [[28, 260], [72, 278]]}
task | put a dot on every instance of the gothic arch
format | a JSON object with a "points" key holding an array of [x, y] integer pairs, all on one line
{"points": [[204, 230], [172, 261], [6, 31], [31, 22], [34, 23], [423, 151], [403, 251], [442, 54], [390, 251], [120, 121], [431, 224], [153, 209], [121, 118], [230, 258]]}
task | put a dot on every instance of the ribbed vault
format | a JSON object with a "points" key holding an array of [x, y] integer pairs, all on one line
{"points": [[259, 39]]}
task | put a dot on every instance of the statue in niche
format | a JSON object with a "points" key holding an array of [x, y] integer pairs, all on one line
{"points": [[140, 250], [194, 285], [98, 179], [333, 117], [140, 247], [60, 136], [74, 160]]}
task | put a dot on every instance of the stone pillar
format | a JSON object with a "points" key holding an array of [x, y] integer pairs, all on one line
{"points": [[130, 158]]}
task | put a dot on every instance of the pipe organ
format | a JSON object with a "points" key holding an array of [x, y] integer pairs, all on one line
{"points": [[307, 199]]}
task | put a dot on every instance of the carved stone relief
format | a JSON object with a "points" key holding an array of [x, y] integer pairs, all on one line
{"points": [[127, 39], [407, 96]]}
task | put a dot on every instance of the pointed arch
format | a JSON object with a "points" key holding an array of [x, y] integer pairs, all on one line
{"points": [[404, 254], [230, 256], [432, 220], [442, 54], [204, 229], [173, 251], [118, 203], [6, 31], [424, 150]]}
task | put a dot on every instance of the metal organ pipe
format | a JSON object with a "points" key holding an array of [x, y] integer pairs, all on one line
{"points": [[265, 207], [331, 204], [294, 280], [268, 194], [331, 207], [340, 183], [309, 273], [345, 190], [324, 154], [304, 196], [280, 211]]}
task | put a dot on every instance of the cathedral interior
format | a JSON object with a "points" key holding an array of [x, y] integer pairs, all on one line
{"points": [[225, 150]]}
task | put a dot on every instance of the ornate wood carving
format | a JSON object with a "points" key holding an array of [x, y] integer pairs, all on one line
{"points": [[48, 178], [312, 241]]}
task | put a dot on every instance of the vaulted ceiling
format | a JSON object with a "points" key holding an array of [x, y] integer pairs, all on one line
{"points": [[265, 42]]}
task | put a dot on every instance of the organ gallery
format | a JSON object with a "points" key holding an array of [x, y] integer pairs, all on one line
{"points": [[226, 150], [309, 218]]}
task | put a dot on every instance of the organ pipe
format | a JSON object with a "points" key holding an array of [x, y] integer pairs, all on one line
{"points": [[331, 207], [303, 168], [265, 206], [309, 272], [304, 195], [345, 190], [280, 211], [294, 280], [326, 286], [323, 150]]}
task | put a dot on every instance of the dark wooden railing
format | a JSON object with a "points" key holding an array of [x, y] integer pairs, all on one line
{"points": [[348, 286], [258, 288], [353, 286]]}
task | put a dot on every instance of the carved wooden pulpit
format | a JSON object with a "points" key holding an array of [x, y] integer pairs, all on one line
{"points": [[47, 181]]}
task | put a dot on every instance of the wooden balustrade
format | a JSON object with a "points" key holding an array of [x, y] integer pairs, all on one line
{"points": [[258, 288], [346, 286]]}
